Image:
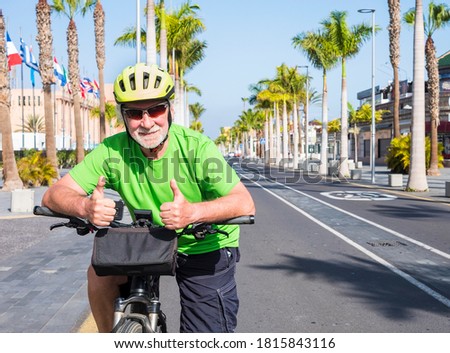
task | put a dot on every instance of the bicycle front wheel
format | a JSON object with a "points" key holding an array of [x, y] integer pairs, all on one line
{"points": [[130, 326]]}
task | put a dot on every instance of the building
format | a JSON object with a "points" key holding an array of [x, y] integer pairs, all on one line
{"points": [[28, 103], [384, 100]]}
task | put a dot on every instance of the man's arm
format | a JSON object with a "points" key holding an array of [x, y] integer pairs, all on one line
{"points": [[67, 197], [180, 213]]}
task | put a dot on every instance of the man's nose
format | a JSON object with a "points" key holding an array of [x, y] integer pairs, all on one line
{"points": [[147, 120]]}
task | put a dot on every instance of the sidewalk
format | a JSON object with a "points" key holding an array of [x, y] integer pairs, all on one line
{"points": [[436, 184]]}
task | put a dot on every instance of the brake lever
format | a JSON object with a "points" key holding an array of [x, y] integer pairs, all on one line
{"points": [[200, 230], [57, 225]]}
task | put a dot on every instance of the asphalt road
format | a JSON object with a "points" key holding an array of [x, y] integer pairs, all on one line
{"points": [[316, 260]]}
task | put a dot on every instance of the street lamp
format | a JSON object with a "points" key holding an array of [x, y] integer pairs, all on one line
{"points": [[372, 153], [306, 114]]}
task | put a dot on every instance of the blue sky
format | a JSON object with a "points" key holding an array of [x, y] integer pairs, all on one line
{"points": [[247, 40]]}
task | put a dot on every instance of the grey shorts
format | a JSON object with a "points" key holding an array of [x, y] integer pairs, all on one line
{"points": [[208, 295]]}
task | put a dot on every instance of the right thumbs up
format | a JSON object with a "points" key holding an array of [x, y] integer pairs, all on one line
{"points": [[101, 210], [98, 192]]}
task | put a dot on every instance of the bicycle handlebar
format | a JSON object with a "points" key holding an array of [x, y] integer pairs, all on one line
{"points": [[84, 227]]}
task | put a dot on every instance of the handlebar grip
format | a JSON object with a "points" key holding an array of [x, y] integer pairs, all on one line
{"points": [[45, 211], [239, 220]]}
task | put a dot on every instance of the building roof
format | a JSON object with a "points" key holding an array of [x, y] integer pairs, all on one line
{"points": [[444, 60]]}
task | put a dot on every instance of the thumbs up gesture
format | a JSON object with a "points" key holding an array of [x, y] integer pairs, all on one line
{"points": [[100, 210], [175, 214]]}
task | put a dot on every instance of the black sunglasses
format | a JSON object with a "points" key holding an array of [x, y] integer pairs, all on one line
{"points": [[154, 111]]}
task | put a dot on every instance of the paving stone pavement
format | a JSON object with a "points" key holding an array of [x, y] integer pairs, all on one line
{"points": [[43, 284], [43, 274]]}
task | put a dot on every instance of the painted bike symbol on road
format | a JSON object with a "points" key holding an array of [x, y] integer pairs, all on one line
{"points": [[358, 195]]}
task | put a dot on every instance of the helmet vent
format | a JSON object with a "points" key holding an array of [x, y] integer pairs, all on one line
{"points": [[122, 86], [158, 81], [132, 82], [146, 80]]}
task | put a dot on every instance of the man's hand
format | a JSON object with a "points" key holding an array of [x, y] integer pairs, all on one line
{"points": [[175, 215], [100, 210]]}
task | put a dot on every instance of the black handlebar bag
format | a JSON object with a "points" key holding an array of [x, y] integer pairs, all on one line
{"points": [[135, 251]]}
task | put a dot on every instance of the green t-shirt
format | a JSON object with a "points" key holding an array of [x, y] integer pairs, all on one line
{"points": [[191, 159]]}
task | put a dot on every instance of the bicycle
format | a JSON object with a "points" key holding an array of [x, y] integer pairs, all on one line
{"points": [[138, 310]]}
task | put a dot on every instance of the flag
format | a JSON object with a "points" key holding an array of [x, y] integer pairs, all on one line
{"points": [[33, 83], [96, 89], [12, 53], [83, 89], [59, 73], [27, 56]]}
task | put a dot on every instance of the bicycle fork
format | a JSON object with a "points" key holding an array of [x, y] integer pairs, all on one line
{"points": [[142, 305]]}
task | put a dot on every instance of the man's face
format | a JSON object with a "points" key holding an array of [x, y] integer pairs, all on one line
{"points": [[147, 122]]}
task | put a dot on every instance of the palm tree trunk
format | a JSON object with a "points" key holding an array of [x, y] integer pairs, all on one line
{"points": [[323, 168], [45, 41], [10, 174], [72, 48], [266, 137], [163, 38], [433, 96], [295, 127], [344, 172], [99, 22], [151, 33], [285, 133], [394, 55], [417, 180], [271, 146], [277, 135]]}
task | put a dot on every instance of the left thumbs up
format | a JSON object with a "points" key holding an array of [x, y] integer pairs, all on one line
{"points": [[177, 194], [174, 214]]}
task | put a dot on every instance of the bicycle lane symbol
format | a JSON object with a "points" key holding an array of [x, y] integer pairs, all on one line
{"points": [[358, 195]]}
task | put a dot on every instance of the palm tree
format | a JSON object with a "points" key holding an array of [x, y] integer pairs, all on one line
{"points": [[394, 56], [99, 28], [34, 123], [438, 17], [334, 126], [110, 114], [297, 89], [417, 180], [184, 51], [10, 174], [196, 110], [348, 42], [282, 85], [45, 42], [322, 53], [71, 8], [362, 115], [272, 95], [264, 105]]}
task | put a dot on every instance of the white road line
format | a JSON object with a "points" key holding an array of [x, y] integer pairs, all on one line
{"points": [[393, 232], [444, 300]]}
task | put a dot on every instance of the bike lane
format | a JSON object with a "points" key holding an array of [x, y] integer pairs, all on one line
{"points": [[424, 267]]}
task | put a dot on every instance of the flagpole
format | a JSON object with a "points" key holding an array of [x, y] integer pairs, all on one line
{"points": [[63, 106], [23, 103], [34, 117]]}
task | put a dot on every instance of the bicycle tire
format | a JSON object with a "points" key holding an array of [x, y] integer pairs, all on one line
{"points": [[130, 326]]}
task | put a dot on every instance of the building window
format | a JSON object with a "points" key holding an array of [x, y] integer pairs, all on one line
{"points": [[23, 101], [19, 101], [29, 101], [39, 100]]}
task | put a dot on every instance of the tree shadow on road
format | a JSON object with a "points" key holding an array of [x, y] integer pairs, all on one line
{"points": [[364, 281]]}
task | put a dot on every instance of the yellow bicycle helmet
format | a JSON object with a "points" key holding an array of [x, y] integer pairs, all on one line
{"points": [[143, 82]]}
